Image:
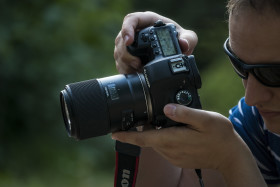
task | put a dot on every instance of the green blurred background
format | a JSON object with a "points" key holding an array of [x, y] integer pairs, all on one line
{"points": [[45, 44]]}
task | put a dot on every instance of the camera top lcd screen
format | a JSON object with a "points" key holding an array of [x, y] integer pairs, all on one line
{"points": [[166, 42]]}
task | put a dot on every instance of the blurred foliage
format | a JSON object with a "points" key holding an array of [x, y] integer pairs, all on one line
{"points": [[221, 87], [44, 45], [47, 44]]}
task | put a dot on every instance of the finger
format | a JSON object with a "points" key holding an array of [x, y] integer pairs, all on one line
{"points": [[188, 40], [143, 139], [135, 21], [128, 65], [125, 62], [198, 119]]}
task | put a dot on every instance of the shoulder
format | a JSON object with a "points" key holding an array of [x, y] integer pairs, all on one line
{"points": [[250, 126], [246, 117]]}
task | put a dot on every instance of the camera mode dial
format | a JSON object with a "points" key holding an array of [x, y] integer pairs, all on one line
{"points": [[184, 97]]}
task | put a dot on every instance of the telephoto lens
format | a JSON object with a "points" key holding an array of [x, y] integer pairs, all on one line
{"points": [[97, 107]]}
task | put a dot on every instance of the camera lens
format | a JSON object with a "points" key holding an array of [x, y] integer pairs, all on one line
{"points": [[66, 112], [100, 106]]}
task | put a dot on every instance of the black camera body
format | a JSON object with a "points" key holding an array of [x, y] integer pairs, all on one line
{"points": [[173, 79], [158, 41], [171, 76], [100, 106]]}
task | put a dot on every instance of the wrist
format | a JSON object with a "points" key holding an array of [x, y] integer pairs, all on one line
{"points": [[240, 168]]}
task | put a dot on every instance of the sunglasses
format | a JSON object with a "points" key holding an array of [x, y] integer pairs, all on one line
{"points": [[267, 74]]}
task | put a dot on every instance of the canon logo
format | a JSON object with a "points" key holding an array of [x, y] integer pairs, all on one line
{"points": [[125, 178]]}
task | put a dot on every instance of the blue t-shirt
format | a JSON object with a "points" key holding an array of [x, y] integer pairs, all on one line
{"points": [[264, 144]]}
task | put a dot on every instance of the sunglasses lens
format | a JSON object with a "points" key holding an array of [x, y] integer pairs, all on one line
{"points": [[238, 68], [269, 76]]}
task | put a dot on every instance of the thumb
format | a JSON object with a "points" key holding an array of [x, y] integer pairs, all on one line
{"points": [[182, 114]]}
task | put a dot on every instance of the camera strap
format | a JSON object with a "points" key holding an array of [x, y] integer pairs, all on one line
{"points": [[127, 160]]}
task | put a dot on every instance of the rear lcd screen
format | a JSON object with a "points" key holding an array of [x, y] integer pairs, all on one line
{"points": [[166, 42]]}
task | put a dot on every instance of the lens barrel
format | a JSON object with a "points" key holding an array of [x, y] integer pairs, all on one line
{"points": [[97, 107]]}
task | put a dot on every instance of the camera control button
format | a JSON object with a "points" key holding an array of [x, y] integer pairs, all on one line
{"points": [[127, 119], [154, 45], [178, 65], [156, 52], [184, 97], [159, 23], [152, 38], [144, 37]]}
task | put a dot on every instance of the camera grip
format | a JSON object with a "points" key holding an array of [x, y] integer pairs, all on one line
{"points": [[140, 53]]}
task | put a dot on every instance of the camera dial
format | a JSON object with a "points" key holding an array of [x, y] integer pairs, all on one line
{"points": [[184, 97]]}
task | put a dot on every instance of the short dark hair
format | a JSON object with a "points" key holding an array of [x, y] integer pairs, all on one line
{"points": [[259, 5]]}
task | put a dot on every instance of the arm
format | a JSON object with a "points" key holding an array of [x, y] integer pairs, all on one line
{"points": [[156, 171]]}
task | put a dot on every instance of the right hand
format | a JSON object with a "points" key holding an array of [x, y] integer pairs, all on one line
{"points": [[125, 62], [208, 141]]}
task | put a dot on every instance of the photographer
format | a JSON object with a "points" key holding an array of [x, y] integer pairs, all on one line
{"points": [[229, 150]]}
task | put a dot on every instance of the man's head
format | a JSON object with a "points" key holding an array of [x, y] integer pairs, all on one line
{"points": [[254, 31], [234, 6]]}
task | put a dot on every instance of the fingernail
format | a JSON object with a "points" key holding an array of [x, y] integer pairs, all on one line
{"points": [[188, 45], [113, 136], [170, 109], [126, 38]]}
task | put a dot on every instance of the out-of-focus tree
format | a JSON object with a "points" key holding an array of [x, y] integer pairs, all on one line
{"points": [[43, 46]]}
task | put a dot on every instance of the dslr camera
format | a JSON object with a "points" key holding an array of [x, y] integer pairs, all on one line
{"points": [[121, 102]]}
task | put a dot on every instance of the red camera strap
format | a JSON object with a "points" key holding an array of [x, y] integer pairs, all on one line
{"points": [[127, 160]]}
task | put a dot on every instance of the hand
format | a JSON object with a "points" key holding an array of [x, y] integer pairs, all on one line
{"points": [[209, 140], [125, 62]]}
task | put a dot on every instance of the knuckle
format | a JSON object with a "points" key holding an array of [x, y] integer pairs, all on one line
{"points": [[134, 15], [140, 142], [118, 66], [116, 54], [216, 119], [118, 39], [122, 69], [127, 20], [194, 35], [129, 15], [149, 12]]}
